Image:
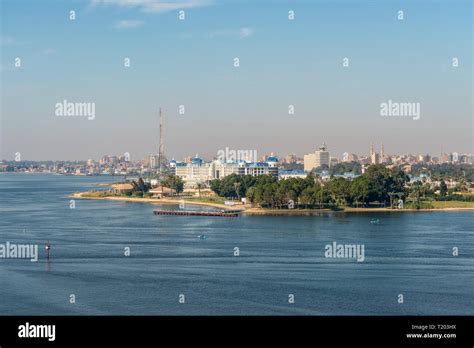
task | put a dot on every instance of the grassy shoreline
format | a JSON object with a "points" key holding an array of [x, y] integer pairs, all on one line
{"points": [[80, 195], [443, 206]]}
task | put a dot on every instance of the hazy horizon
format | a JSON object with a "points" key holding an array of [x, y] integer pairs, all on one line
{"points": [[211, 156], [190, 62]]}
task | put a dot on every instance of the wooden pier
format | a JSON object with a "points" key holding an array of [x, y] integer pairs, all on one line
{"points": [[232, 213]]}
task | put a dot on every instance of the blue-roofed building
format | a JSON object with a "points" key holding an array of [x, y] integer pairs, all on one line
{"points": [[272, 161], [197, 161], [174, 163], [199, 171], [259, 168]]}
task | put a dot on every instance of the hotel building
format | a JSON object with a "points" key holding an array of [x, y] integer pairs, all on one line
{"points": [[198, 171]]}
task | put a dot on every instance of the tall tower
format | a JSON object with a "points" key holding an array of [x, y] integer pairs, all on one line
{"points": [[372, 154], [161, 150], [382, 155]]}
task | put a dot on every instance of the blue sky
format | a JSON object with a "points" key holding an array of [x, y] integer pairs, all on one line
{"points": [[190, 62]]}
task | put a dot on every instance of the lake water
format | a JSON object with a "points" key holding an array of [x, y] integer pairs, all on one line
{"points": [[407, 253]]}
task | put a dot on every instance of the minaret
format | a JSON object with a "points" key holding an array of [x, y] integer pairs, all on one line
{"points": [[160, 152], [382, 158]]}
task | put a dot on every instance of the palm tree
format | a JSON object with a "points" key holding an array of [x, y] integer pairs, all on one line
{"points": [[199, 186]]}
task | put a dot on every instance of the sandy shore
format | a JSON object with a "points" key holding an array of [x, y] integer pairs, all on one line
{"points": [[264, 211]]}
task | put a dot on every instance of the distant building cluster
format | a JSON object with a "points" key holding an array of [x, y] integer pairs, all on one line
{"points": [[194, 170]]}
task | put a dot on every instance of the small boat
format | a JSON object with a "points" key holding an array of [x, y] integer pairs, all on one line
{"points": [[375, 221], [202, 237]]}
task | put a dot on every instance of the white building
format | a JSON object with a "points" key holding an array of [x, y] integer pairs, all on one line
{"points": [[220, 169], [289, 174], [349, 157], [198, 171], [154, 161], [195, 172]]}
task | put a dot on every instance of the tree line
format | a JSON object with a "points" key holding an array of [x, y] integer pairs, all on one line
{"points": [[378, 184]]}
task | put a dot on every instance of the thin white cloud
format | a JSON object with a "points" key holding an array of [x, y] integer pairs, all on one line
{"points": [[7, 40], [153, 6], [11, 41], [128, 24], [245, 32], [48, 51], [241, 33]]}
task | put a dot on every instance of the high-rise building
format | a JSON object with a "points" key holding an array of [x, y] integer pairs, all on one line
{"points": [[309, 162], [146, 161], [104, 160], [291, 158], [374, 157], [454, 157], [154, 161], [316, 159]]}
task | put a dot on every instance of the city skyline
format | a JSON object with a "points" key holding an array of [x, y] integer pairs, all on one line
{"points": [[255, 154], [188, 65]]}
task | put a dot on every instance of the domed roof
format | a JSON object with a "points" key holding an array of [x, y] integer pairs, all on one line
{"points": [[272, 159], [196, 160]]}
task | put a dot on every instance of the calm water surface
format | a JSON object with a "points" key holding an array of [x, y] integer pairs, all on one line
{"points": [[407, 253]]}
